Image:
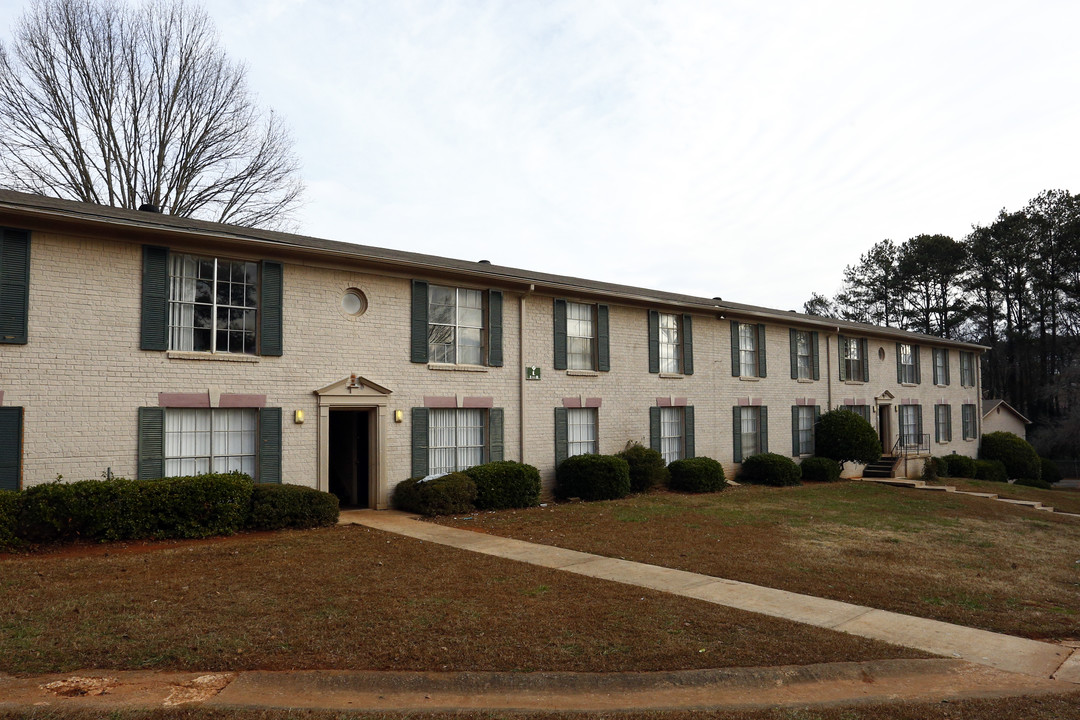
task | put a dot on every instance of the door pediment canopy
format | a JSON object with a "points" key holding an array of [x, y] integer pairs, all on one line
{"points": [[353, 386], [885, 397]]}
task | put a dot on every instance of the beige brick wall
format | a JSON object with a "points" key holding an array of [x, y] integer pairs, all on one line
{"points": [[82, 376]]}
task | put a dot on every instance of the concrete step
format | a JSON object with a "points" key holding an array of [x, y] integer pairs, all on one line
{"points": [[897, 482], [939, 488], [988, 496], [1026, 503]]}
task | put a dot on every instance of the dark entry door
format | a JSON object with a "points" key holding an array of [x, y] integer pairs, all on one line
{"points": [[350, 455], [884, 430]]}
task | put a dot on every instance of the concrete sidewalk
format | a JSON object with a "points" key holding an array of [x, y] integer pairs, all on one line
{"points": [[1004, 652]]}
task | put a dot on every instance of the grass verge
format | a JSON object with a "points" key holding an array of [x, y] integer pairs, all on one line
{"points": [[949, 557]]}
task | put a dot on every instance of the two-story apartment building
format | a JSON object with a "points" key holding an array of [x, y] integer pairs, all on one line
{"points": [[149, 345]]}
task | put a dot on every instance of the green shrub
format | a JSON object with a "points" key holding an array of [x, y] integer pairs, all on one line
{"points": [[647, 467], [121, 509], [505, 484], [1032, 482], [843, 436], [993, 470], [960, 466], [696, 475], [593, 477], [274, 507], [9, 518], [1019, 457], [820, 469], [941, 466], [930, 469], [1051, 473], [770, 469], [444, 495]]}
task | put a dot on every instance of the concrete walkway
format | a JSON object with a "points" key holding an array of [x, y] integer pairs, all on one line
{"points": [[921, 485], [1003, 652]]}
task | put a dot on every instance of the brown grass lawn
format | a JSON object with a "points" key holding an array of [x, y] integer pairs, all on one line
{"points": [[1064, 499], [955, 558], [1060, 707], [355, 598]]}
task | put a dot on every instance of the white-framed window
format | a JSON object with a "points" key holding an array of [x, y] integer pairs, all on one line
{"points": [[967, 419], [851, 354], [672, 433], [203, 440], [909, 425], [581, 431], [748, 350], [805, 416], [213, 304], [580, 336], [456, 439], [670, 344], [455, 325], [943, 423], [860, 410], [941, 366], [803, 359], [907, 364], [967, 369], [750, 430]]}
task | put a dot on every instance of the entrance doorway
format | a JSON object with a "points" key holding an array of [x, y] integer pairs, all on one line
{"points": [[350, 440], [884, 415]]}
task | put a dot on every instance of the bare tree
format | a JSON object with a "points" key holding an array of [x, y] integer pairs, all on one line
{"points": [[109, 103]]}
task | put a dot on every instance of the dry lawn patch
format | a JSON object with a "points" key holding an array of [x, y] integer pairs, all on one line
{"points": [[356, 598], [954, 558]]}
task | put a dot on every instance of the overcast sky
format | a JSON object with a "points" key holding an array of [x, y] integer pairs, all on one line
{"points": [[747, 150]]}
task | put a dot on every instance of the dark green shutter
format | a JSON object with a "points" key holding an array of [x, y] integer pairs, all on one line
{"points": [[559, 333], [814, 354], [899, 364], [495, 435], [688, 345], [795, 431], [762, 370], [11, 431], [562, 442], [736, 436], [937, 423], [918, 425], [735, 366], [603, 339], [155, 299], [916, 352], [270, 445], [841, 356], [946, 363], [948, 423], [763, 426], [654, 341], [654, 428], [418, 327], [688, 432], [151, 443], [270, 311], [864, 345], [817, 421], [495, 328], [14, 285], [793, 347], [419, 441]]}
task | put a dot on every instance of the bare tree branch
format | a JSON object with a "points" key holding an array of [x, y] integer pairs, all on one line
{"points": [[109, 103]]}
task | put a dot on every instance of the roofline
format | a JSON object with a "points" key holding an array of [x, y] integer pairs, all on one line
{"points": [[998, 403], [101, 216]]}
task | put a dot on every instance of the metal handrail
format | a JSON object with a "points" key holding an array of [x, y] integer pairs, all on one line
{"points": [[913, 444]]}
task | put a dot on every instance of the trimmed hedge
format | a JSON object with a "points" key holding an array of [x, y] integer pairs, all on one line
{"points": [[1032, 482], [274, 507], [696, 475], [960, 466], [647, 467], [1051, 473], [9, 518], [993, 470], [592, 477], [1019, 457], [444, 495], [505, 484], [844, 436], [820, 469], [770, 469]]}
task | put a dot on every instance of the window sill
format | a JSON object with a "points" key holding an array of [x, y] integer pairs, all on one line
{"points": [[583, 373], [220, 357], [939, 385], [457, 368], [909, 384], [854, 382], [672, 376], [806, 380], [749, 378]]}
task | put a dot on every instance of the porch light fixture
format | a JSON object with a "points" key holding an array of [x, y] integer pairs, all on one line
{"points": [[298, 417], [399, 415]]}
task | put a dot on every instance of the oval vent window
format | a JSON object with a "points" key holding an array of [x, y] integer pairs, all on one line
{"points": [[353, 302]]}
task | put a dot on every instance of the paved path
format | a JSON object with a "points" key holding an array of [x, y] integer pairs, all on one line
{"points": [[877, 682], [915, 484], [1003, 652]]}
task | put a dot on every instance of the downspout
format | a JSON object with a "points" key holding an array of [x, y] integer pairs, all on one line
{"points": [[521, 372]]}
